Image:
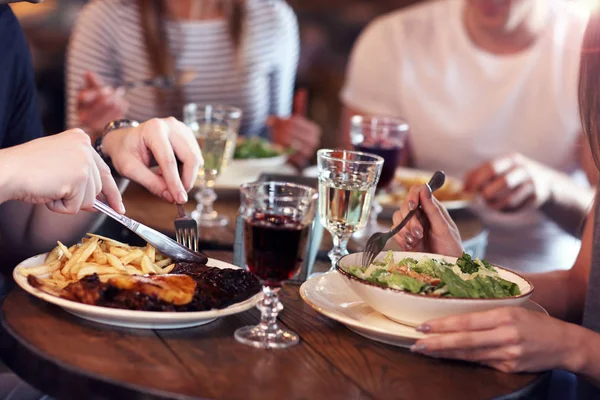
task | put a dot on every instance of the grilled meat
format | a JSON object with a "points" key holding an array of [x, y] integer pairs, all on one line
{"points": [[191, 287]]}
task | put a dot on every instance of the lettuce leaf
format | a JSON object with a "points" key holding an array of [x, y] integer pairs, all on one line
{"points": [[399, 281], [467, 264]]}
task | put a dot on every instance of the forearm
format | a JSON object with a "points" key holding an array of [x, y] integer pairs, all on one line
{"points": [[28, 229], [584, 354], [569, 203], [551, 291]]}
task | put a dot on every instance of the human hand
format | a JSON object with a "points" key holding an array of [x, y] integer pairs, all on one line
{"points": [[432, 230], [166, 140], [296, 132], [511, 182], [510, 339], [98, 104], [62, 171]]}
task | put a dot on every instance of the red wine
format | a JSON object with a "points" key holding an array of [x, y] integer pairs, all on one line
{"points": [[275, 246], [391, 156]]}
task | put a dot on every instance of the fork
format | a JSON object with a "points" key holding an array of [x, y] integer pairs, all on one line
{"points": [[378, 240], [186, 229]]}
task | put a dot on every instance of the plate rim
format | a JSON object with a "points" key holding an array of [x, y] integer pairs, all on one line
{"points": [[158, 317]]}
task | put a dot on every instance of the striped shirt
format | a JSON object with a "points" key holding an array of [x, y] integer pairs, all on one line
{"points": [[258, 78]]}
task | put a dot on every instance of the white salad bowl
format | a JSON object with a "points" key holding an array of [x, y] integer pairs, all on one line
{"points": [[413, 309]]}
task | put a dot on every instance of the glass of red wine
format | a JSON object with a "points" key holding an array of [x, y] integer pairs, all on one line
{"points": [[385, 137], [277, 218]]}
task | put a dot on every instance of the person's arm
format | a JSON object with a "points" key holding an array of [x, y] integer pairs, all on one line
{"points": [[562, 293], [569, 201]]}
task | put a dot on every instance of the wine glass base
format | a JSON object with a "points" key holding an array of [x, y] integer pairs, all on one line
{"points": [[257, 337], [209, 221]]}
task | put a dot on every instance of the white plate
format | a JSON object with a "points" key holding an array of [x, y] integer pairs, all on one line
{"points": [[329, 295], [239, 172], [129, 318]]}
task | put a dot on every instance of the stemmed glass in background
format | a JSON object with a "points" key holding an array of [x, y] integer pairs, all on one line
{"points": [[277, 218], [216, 128], [347, 181], [385, 137]]}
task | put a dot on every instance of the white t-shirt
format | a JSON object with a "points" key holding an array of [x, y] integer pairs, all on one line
{"points": [[466, 106]]}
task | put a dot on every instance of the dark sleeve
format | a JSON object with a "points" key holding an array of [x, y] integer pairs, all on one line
{"points": [[19, 113]]}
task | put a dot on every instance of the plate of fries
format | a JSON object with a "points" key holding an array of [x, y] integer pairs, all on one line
{"points": [[110, 258], [452, 195]]}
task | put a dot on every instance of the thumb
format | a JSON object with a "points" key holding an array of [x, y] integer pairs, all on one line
{"points": [[92, 80]]}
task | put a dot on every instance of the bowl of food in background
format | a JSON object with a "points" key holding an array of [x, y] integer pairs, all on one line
{"points": [[412, 288], [251, 158]]}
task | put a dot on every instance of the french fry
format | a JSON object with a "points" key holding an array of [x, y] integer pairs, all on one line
{"points": [[110, 241], [150, 252], [131, 256], [148, 266], [168, 269], [132, 270], [74, 259], [41, 270], [117, 251], [67, 253], [163, 263], [137, 262], [53, 255], [99, 256], [115, 262], [95, 269], [58, 276], [89, 251]]}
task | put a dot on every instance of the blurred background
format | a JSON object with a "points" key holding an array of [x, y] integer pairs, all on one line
{"points": [[328, 30]]}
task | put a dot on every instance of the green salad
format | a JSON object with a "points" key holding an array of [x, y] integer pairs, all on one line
{"points": [[255, 148], [468, 278]]}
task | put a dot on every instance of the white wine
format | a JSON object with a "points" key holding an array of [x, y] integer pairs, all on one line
{"points": [[344, 205], [216, 143]]}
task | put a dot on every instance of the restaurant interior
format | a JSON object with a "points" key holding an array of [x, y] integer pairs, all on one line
{"points": [[378, 199]]}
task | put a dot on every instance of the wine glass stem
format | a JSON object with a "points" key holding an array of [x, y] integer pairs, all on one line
{"points": [[375, 210], [340, 244], [269, 307], [206, 198]]}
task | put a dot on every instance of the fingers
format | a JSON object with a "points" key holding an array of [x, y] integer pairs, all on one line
{"points": [[477, 178], [469, 340], [92, 80], [156, 138], [409, 236], [300, 102], [108, 186], [187, 150], [473, 321]]}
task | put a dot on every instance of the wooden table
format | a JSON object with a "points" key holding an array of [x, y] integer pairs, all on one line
{"points": [[71, 358]]}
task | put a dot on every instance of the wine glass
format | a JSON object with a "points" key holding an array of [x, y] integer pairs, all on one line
{"points": [[386, 137], [347, 181], [216, 128], [277, 218]]}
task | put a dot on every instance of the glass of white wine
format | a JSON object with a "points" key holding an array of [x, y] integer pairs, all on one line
{"points": [[216, 128], [347, 183]]}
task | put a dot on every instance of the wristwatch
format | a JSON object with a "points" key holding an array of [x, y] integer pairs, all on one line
{"points": [[111, 126]]}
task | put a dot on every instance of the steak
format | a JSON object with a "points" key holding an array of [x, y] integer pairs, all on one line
{"points": [[190, 287]]}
